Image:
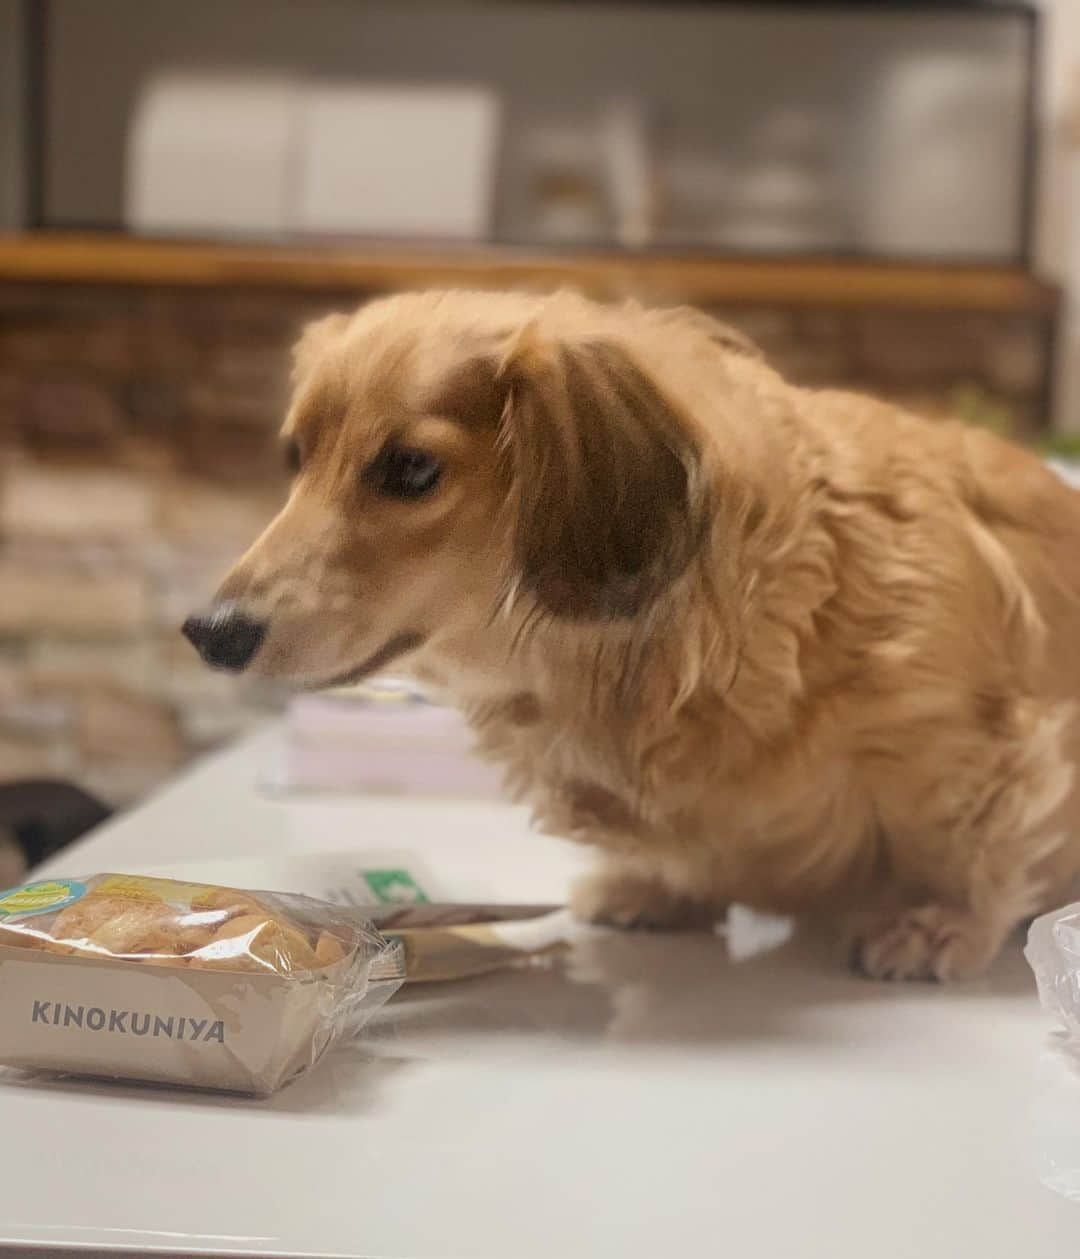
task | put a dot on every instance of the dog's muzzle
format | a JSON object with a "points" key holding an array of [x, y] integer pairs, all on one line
{"points": [[225, 637]]}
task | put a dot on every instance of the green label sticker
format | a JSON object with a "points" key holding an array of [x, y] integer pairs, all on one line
{"points": [[40, 898], [394, 887]]}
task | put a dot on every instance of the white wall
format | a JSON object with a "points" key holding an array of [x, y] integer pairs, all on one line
{"points": [[1058, 242]]}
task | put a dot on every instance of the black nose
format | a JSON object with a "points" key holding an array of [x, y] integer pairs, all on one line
{"points": [[225, 637]]}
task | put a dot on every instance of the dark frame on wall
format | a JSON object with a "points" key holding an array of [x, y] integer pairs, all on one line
{"points": [[35, 16]]}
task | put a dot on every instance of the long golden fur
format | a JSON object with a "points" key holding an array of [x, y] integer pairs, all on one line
{"points": [[757, 643]]}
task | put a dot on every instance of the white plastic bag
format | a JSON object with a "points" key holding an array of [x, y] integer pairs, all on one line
{"points": [[1053, 952]]}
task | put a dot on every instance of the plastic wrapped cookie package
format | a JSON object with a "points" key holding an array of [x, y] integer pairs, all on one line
{"points": [[157, 980], [1053, 952]]}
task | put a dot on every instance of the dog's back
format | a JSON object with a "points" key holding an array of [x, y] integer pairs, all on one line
{"points": [[1001, 531], [1035, 515]]}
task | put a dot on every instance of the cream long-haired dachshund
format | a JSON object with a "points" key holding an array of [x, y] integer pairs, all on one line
{"points": [[756, 643]]}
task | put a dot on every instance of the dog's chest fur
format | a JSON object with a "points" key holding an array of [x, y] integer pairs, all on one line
{"points": [[678, 787]]}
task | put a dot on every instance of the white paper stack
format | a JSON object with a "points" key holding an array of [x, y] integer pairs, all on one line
{"points": [[213, 153], [382, 740], [264, 154], [398, 161]]}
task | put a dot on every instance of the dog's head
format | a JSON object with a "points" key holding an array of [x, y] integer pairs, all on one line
{"points": [[457, 457]]}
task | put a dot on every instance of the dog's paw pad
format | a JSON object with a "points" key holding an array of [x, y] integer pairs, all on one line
{"points": [[932, 943]]}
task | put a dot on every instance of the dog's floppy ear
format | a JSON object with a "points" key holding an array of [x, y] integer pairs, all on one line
{"points": [[315, 337], [605, 477]]}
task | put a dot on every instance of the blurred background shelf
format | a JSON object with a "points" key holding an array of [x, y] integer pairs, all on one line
{"points": [[95, 258], [878, 130]]}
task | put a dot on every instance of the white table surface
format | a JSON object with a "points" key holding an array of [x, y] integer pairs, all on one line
{"points": [[652, 1098]]}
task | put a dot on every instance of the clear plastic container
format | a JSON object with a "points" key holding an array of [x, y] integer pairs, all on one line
{"points": [[1053, 952]]}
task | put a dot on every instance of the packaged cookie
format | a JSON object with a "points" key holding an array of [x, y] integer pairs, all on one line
{"points": [[180, 983]]}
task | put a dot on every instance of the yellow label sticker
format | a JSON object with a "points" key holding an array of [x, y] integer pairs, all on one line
{"points": [[136, 887], [40, 898]]}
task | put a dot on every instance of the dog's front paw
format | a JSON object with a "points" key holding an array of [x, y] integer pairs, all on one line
{"points": [[618, 898], [933, 942]]}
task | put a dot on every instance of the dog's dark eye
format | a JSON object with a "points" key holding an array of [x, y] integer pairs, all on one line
{"points": [[404, 472]]}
